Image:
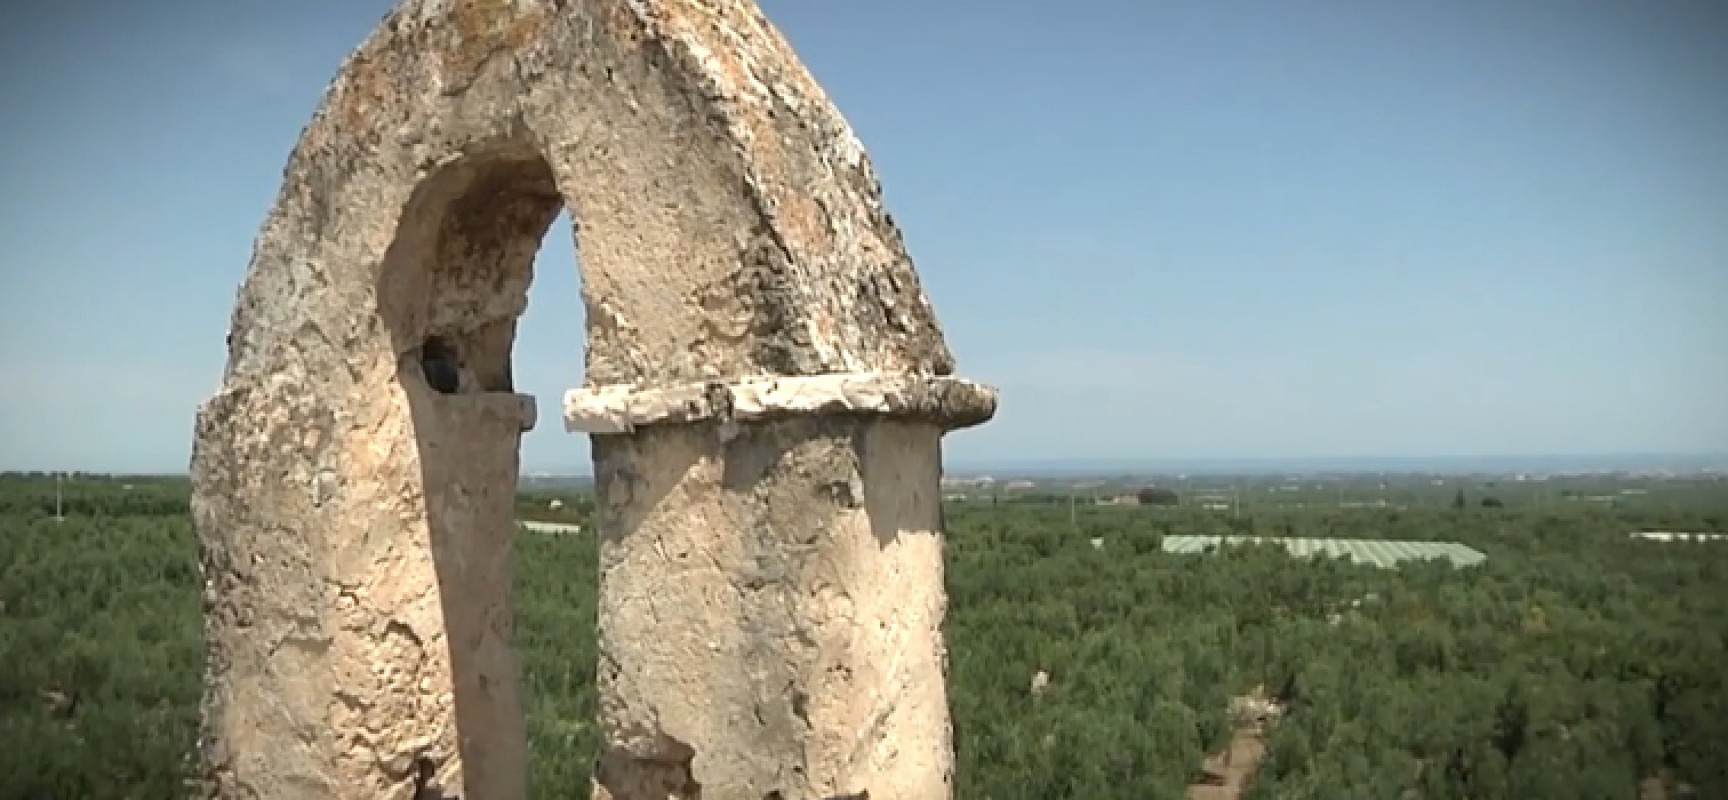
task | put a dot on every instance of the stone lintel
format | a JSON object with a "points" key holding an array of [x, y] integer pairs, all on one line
{"points": [[621, 408]]}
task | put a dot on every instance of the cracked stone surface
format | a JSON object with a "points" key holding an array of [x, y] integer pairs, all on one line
{"points": [[771, 582], [946, 401]]}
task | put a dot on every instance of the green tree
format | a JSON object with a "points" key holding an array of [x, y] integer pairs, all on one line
{"points": [[1158, 496]]}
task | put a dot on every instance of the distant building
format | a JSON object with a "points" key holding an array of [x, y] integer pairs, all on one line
{"points": [[1678, 536], [1364, 504], [554, 528]]}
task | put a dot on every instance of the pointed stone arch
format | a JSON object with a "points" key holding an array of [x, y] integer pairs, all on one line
{"points": [[766, 385]]}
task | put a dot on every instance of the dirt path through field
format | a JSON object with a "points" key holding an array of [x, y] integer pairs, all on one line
{"points": [[1231, 768]]}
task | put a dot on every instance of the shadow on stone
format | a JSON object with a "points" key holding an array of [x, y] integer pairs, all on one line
{"points": [[901, 470]]}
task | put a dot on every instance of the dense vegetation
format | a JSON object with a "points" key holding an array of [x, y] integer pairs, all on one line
{"points": [[1575, 664]]}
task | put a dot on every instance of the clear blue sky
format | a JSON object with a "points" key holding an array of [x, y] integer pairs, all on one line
{"points": [[1171, 228]]}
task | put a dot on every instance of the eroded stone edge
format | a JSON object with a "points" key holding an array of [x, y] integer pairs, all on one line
{"points": [[622, 408]]}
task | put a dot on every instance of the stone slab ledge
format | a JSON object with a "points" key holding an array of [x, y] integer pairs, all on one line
{"points": [[521, 409], [950, 402]]}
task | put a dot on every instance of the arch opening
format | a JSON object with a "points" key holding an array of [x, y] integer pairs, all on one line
{"points": [[455, 280], [451, 292], [769, 618]]}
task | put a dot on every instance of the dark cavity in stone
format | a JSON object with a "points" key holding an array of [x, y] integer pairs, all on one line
{"points": [[442, 366]]}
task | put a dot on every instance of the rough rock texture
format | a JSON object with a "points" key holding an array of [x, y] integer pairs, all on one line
{"points": [[950, 402], [771, 588], [770, 619]]}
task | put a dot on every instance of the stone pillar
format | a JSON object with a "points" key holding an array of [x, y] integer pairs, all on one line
{"points": [[771, 590]]}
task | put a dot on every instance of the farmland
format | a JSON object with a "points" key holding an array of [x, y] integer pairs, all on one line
{"points": [[1378, 552], [1575, 661]]}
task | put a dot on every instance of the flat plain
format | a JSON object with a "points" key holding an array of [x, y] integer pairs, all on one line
{"points": [[1575, 660]]}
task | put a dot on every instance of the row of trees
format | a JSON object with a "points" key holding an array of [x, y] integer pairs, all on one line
{"points": [[1575, 663]]}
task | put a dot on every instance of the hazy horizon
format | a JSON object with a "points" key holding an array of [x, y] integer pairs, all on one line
{"points": [[1196, 230], [1149, 466]]}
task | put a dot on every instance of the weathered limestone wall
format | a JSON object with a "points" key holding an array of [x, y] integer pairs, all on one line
{"points": [[353, 510], [772, 591], [471, 524], [758, 637]]}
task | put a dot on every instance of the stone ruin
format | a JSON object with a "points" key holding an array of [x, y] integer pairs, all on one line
{"points": [[766, 387]]}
